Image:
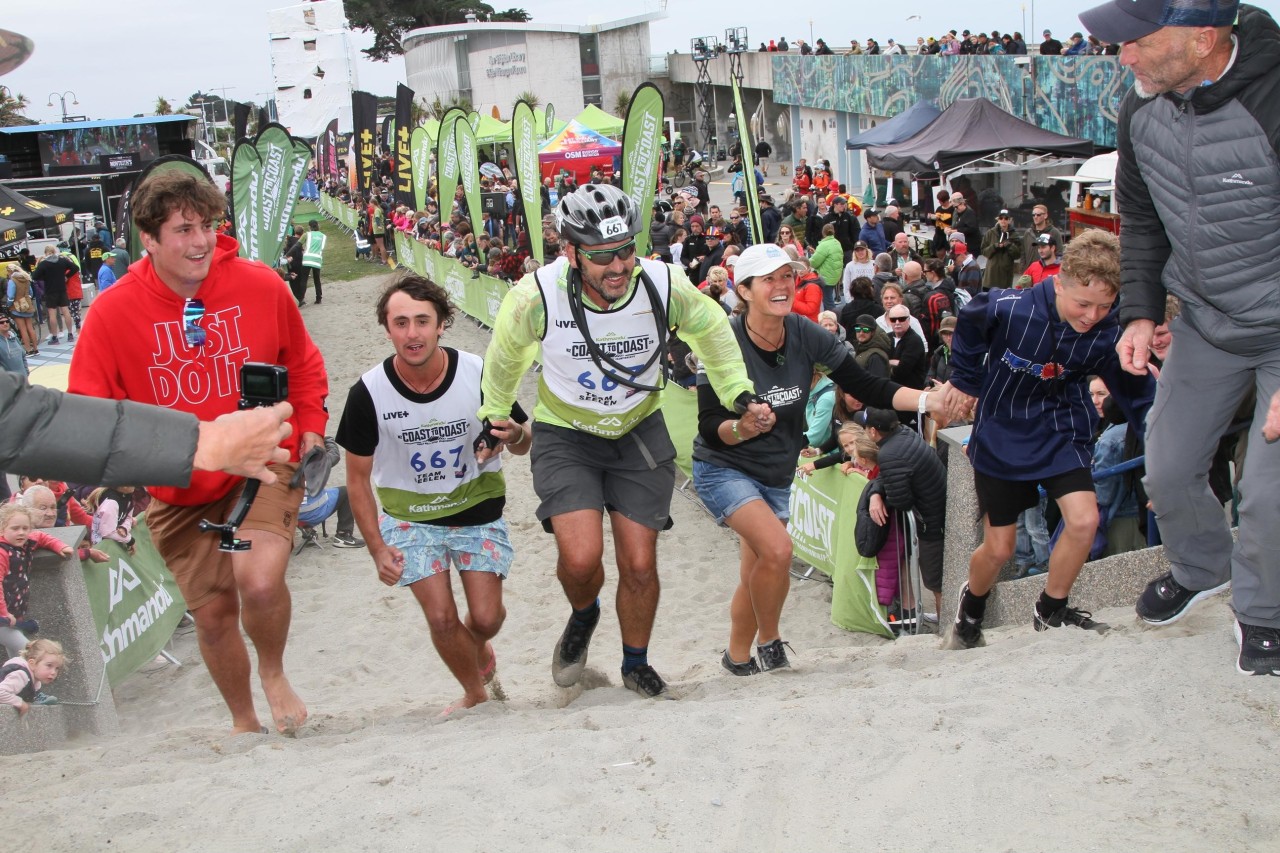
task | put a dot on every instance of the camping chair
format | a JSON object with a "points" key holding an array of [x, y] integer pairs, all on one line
{"points": [[310, 535]]}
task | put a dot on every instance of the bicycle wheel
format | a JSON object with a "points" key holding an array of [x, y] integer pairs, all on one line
{"points": [[681, 178]]}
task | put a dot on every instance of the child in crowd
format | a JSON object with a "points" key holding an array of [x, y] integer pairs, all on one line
{"points": [[113, 515], [18, 543], [23, 676]]}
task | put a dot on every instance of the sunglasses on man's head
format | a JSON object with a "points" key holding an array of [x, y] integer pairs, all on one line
{"points": [[192, 314], [604, 257]]}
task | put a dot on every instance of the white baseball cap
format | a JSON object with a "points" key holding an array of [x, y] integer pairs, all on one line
{"points": [[762, 259]]}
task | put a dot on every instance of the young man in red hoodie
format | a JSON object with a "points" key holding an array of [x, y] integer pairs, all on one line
{"points": [[174, 331]]}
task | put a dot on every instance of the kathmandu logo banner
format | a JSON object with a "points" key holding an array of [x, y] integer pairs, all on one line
{"points": [[420, 163], [642, 153], [266, 176], [523, 133]]}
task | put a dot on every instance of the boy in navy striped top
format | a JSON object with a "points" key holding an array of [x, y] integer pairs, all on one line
{"points": [[1023, 357]]}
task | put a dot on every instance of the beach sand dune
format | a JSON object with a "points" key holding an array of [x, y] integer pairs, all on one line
{"points": [[1136, 740]]}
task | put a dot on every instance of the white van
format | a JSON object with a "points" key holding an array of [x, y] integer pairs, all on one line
{"points": [[217, 166]]}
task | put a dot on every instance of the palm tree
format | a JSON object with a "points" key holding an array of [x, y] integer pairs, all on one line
{"points": [[11, 108], [162, 106]]}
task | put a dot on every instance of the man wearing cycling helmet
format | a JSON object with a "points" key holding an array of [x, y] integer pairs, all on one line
{"points": [[601, 317]]}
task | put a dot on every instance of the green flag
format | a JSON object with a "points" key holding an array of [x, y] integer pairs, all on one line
{"points": [[642, 155], [525, 144], [135, 602], [447, 162], [266, 176], [748, 166], [420, 161], [465, 138]]}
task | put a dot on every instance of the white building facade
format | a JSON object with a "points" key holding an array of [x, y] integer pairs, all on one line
{"points": [[492, 64], [313, 66]]}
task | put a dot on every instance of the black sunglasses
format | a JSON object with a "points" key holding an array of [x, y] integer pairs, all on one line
{"points": [[899, 319], [604, 257]]}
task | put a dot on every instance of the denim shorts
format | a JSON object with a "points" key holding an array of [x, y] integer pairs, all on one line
{"points": [[724, 491], [429, 549]]}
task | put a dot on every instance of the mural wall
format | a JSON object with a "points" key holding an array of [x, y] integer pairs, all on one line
{"points": [[1078, 96]]}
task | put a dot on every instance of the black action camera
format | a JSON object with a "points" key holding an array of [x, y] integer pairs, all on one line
{"points": [[263, 384]]}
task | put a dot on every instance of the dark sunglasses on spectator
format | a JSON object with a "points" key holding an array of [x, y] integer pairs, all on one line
{"points": [[604, 257], [192, 314], [899, 319], [862, 328]]}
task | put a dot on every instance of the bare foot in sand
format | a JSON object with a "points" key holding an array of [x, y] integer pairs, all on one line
{"points": [[254, 728], [287, 710], [465, 702]]}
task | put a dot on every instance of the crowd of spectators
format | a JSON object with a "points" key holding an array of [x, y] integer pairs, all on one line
{"points": [[953, 43]]}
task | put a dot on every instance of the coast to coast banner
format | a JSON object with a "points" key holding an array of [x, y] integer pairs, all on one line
{"points": [[447, 162], [266, 177], [468, 171], [525, 143], [641, 155]]}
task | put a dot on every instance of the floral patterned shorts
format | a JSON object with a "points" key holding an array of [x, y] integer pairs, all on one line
{"points": [[430, 548]]}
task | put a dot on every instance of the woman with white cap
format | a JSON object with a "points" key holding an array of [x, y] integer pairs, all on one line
{"points": [[743, 465]]}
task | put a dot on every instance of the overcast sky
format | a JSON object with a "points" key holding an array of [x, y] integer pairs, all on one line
{"points": [[117, 57]]}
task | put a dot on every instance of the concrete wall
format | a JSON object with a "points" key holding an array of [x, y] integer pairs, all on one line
{"points": [[1110, 582], [624, 63], [757, 70], [61, 604]]}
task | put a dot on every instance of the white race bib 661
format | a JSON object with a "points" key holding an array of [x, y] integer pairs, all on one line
{"points": [[613, 228]]}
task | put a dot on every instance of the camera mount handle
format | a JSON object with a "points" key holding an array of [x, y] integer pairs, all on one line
{"points": [[238, 512]]}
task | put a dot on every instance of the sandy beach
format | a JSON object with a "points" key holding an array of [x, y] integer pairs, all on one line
{"points": [[1138, 739]]}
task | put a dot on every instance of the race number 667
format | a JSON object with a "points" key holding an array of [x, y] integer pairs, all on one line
{"points": [[438, 459]]}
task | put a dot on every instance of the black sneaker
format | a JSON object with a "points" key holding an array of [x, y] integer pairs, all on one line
{"points": [[1259, 649], [53, 340], [644, 680], [1065, 616], [774, 655], [966, 633], [1165, 601], [748, 668], [570, 657], [346, 540]]}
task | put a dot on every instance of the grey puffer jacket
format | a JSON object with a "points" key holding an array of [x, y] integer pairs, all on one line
{"points": [[69, 437], [1197, 185]]}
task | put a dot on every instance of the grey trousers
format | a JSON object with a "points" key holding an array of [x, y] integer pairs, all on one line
{"points": [[1198, 393]]}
